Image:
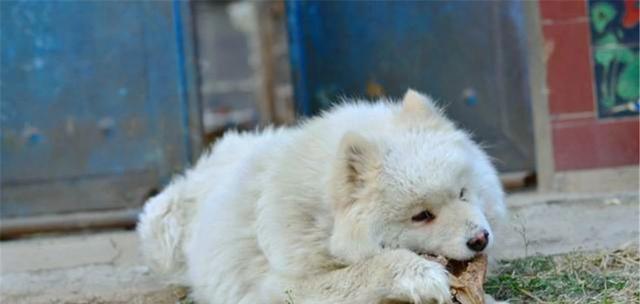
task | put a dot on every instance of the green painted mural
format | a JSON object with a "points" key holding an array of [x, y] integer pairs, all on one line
{"points": [[614, 38]]}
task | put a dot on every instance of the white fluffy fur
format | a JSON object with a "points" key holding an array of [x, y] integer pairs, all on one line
{"points": [[323, 211]]}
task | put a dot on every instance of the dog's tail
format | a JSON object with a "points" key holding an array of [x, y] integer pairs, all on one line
{"points": [[163, 227]]}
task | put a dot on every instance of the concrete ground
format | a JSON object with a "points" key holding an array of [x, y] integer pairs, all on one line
{"points": [[106, 267]]}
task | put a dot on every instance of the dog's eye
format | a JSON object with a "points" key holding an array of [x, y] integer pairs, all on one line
{"points": [[463, 196], [424, 216]]}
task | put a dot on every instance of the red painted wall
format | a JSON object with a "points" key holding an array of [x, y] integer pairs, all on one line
{"points": [[581, 140]]}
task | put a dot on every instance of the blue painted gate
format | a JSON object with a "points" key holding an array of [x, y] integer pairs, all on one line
{"points": [[470, 55], [98, 102]]}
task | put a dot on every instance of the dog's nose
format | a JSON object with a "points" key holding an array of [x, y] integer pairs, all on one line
{"points": [[479, 241]]}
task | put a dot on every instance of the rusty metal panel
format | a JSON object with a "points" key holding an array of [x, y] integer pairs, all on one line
{"points": [[470, 55], [97, 102]]}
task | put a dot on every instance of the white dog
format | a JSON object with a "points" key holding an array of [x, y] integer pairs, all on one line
{"points": [[332, 211]]}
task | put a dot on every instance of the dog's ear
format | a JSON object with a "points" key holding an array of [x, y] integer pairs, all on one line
{"points": [[417, 107], [417, 104], [357, 161]]}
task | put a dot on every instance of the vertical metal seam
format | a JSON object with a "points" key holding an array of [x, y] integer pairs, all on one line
{"points": [[182, 78], [298, 68]]}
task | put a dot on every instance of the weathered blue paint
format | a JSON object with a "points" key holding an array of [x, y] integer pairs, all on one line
{"points": [[446, 48], [93, 90]]}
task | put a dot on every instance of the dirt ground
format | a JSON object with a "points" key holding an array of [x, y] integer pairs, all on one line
{"points": [[106, 267]]}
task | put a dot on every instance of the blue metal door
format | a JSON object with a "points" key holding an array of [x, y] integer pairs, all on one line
{"points": [[470, 55], [97, 102]]}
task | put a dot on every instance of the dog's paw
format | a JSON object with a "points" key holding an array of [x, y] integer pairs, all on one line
{"points": [[418, 280]]}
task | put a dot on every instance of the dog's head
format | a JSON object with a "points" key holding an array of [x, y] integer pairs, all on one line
{"points": [[424, 186]]}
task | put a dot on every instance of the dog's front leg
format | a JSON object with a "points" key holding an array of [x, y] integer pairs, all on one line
{"points": [[392, 275]]}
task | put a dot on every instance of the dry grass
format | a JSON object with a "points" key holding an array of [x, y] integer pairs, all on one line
{"points": [[576, 278], [601, 277]]}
